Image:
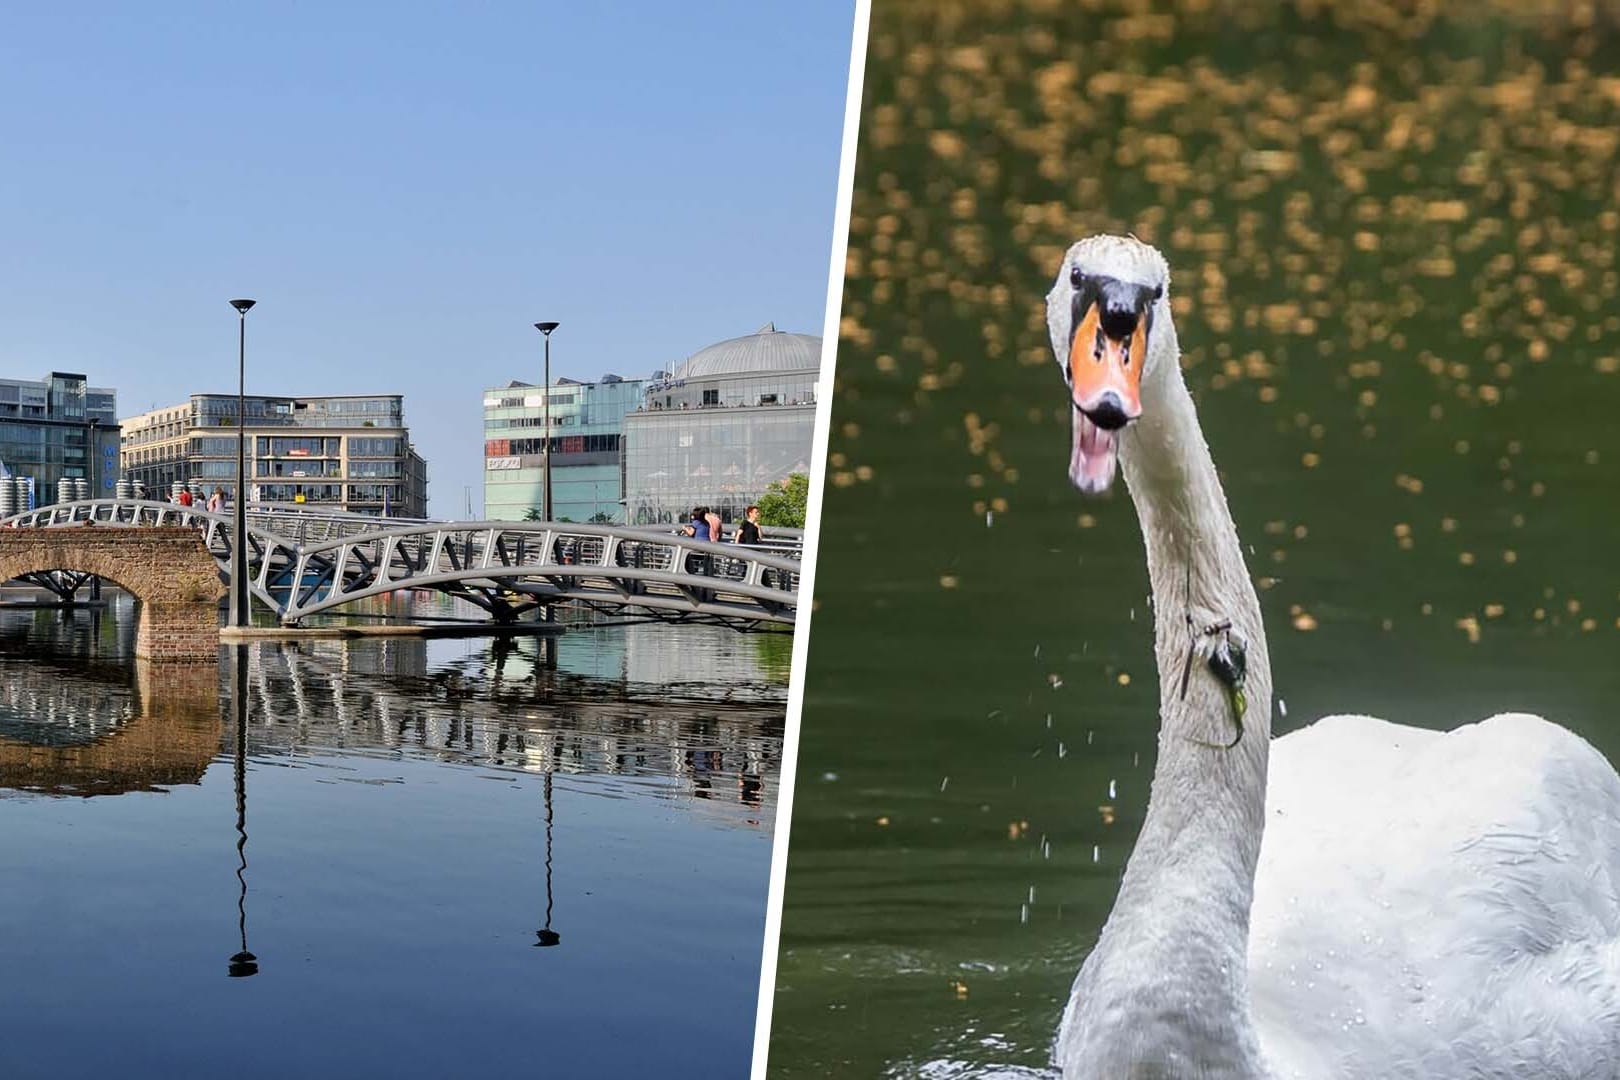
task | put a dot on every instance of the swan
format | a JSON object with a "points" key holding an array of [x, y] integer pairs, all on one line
{"points": [[1394, 902]]}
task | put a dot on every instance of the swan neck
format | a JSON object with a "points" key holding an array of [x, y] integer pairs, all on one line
{"points": [[1183, 909]]}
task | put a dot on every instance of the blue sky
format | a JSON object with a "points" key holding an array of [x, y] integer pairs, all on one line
{"points": [[405, 189]]}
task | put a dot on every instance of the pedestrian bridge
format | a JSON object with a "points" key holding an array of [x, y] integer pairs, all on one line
{"points": [[304, 564]]}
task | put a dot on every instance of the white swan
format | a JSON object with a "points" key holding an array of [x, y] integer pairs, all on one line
{"points": [[1424, 905]]}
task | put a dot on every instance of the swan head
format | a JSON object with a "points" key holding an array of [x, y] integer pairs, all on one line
{"points": [[1110, 293]]}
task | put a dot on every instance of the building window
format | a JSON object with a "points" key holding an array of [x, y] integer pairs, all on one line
{"points": [[711, 397]]}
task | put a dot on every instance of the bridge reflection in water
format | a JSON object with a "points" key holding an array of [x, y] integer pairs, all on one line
{"points": [[77, 716], [99, 724]]}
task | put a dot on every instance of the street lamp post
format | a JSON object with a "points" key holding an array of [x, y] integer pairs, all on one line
{"points": [[239, 570], [90, 467], [545, 482], [90, 453]]}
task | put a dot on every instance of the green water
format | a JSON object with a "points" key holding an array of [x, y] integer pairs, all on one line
{"points": [[1393, 246]]}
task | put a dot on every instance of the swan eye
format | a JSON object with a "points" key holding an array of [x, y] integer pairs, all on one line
{"points": [[1076, 276], [1158, 292]]}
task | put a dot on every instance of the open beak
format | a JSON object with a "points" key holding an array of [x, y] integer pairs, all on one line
{"points": [[1105, 375]]}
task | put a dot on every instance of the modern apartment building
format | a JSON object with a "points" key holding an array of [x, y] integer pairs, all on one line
{"points": [[59, 428], [587, 421], [349, 452]]}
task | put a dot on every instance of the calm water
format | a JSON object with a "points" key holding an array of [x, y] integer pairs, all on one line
{"points": [[411, 823], [1393, 252]]}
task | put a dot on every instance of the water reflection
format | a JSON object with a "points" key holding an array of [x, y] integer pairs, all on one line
{"points": [[76, 717], [502, 706], [91, 728], [394, 783], [243, 963], [546, 935]]}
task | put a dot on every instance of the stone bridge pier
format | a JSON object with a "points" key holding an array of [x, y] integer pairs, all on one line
{"points": [[168, 571]]}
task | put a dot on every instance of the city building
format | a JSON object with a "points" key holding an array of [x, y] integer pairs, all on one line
{"points": [[58, 428], [350, 453], [587, 420], [728, 422]]}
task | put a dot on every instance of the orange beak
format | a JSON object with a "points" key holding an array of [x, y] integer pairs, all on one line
{"points": [[1101, 367]]}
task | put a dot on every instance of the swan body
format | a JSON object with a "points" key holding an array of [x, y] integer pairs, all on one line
{"points": [[1438, 905], [1357, 899]]}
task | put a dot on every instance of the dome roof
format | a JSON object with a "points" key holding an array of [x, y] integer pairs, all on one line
{"points": [[766, 349]]}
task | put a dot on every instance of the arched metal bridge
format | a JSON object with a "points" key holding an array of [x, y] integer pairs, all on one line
{"points": [[303, 564]]}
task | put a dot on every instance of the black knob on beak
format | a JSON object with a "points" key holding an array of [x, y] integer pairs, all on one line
{"points": [[1109, 413]]}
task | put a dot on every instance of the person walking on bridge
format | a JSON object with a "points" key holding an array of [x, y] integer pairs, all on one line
{"points": [[748, 534], [748, 531]]}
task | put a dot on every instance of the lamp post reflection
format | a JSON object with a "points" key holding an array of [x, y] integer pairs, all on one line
{"points": [[243, 963], [546, 935]]}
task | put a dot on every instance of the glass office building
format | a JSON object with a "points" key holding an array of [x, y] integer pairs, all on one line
{"points": [[59, 428], [722, 427], [350, 453], [586, 436]]}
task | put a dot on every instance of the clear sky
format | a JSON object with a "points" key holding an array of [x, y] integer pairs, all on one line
{"points": [[405, 189]]}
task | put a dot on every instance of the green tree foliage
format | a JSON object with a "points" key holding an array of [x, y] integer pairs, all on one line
{"points": [[784, 502]]}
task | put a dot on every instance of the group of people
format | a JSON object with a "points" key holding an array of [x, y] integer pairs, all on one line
{"points": [[706, 525], [215, 504]]}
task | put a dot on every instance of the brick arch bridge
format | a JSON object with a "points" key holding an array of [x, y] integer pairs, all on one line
{"points": [[167, 570]]}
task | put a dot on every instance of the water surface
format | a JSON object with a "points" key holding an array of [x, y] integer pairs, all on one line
{"points": [[444, 858]]}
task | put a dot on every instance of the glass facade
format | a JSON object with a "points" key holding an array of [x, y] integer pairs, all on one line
{"points": [[731, 420], [585, 442], [723, 458], [359, 458], [59, 428]]}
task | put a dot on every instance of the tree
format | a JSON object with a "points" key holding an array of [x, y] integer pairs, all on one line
{"points": [[532, 514], [602, 517], [784, 502]]}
